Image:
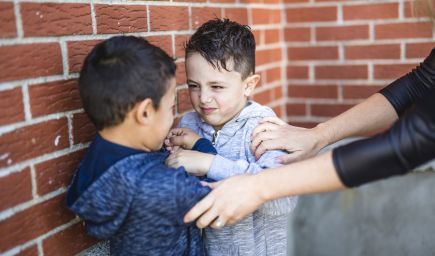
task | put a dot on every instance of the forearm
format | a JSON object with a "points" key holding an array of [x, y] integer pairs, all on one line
{"points": [[371, 115], [314, 175]]}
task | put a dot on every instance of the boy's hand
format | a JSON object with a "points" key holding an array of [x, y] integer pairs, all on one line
{"points": [[182, 137], [195, 163]]}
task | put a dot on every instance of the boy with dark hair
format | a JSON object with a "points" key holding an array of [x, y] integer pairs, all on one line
{"points": [[122, 189], [220, 66]]}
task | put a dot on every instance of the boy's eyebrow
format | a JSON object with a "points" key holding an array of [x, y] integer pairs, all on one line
{"points": [[191, 81]]}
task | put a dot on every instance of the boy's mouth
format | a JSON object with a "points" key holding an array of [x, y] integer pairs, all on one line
{"points": [[207, 111]]}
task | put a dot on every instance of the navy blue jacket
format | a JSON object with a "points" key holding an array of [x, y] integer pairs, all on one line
{"points": [[138, 203]]}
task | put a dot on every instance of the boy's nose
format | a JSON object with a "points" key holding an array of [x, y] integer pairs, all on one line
{"points": [[205, 98]]}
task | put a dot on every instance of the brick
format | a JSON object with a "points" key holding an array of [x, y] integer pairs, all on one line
{"points": [[49, 19], [77, 52], [278, 111], [180, 74], [180, 42], [34, 140], [164, 18], [272, 36], [251, 1], [329, 110], [16, 188], [33, 222], [392, 71], [222, 1], [239, 15], [11, 106], [54, 97], [371, 11], [341, 72], [164, 42], [334, 33], [183, 101], [30, 60], [7, 20], [415, 9], [295, 109], [191, 1], [297, 34], [418, 50], [258, 35], [277, 93], [83, 130], [121, 18], [31, 251], [404, 30], [70, 241], [304, 124], [297, 72], [267, 56], [265, 16], [263, 97], [313, 53], [201, 15], [369, 52], [359, 92], [56, 173], [295, 1], [313, 91], [273, 74], [311, 14]]}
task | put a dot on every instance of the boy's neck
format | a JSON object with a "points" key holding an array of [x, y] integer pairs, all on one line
{"points": [[122, 136]]}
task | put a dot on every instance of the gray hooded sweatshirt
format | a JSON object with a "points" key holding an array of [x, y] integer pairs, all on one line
{"points": [[265, 231]]}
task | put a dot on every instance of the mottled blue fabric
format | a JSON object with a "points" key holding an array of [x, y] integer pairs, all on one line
{"points": [[139, 203]]}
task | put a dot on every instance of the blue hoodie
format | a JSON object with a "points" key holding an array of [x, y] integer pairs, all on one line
{"points": [[138, 203]]}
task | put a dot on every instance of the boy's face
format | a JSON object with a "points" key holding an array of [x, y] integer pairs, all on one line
{"points": [[217, 96], [163, 117]]}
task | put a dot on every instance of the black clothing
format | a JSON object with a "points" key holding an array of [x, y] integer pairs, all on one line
{"points": [[408, 143]]}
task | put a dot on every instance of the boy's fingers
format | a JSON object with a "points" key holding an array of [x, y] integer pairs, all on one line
{"points": [[201, 207]]}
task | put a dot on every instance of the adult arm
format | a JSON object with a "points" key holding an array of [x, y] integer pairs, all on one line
{"points": [[376, 112]]}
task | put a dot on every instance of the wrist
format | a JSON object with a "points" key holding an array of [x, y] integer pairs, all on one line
{"points": [[324, 135], [261, 190]]}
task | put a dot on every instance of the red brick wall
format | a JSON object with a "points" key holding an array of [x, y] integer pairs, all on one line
{"points": [[43, 130], [341, 51], [316, 58]]}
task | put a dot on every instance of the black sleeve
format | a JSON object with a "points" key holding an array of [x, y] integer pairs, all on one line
{"points": [[407, 144], [405, 91]]}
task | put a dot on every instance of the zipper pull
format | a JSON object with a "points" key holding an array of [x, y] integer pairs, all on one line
{"points": [[215, 136]]}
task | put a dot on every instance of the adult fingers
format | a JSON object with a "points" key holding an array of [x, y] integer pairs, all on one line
{"points": [[201, 207], [266, 145], [264, 127], [290, 158], [273, 120]]}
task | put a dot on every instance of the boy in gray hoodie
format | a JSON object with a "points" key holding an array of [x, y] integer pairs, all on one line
{"points": [[220, 66]]}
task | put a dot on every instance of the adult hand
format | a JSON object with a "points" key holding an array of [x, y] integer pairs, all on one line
{"points": [[229, 201], [274, 134], [195, 163]]}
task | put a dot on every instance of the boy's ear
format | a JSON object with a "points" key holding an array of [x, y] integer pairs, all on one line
{"points": [[144, 111], [251, 82]]}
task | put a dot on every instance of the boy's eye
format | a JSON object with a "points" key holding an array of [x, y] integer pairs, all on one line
{"points": [[217, 87], [193, 86]]}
